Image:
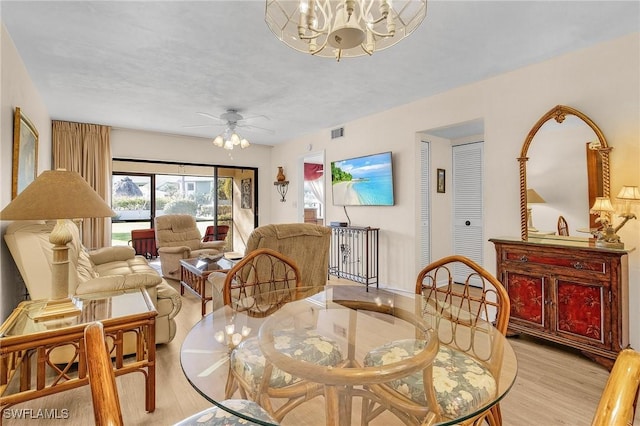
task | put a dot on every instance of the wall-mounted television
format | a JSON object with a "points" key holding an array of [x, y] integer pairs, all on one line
{"points": [[363, 181]]}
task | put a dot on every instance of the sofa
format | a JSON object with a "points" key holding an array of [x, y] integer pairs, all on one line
{"points": [[305, 243], [106, 269]]}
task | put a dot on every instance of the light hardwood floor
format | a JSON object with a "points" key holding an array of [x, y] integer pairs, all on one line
{"points": [[555, 386]]}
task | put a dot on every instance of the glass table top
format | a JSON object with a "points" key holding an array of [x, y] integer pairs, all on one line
{"points": [[358, 322], [94, 307]]}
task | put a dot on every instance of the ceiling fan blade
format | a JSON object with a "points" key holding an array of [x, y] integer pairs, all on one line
{"points": [[254, 117], [213, 117], [256, 129], [201, 125]]}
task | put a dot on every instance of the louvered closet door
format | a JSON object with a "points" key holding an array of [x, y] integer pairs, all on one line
{"points": [[425, 206], [467, 205]]}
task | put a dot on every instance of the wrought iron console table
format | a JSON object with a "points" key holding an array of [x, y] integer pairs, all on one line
{"points": [[354, 254]]}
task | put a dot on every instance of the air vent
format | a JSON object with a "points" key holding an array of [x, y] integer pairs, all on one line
{"points": [[337, 133]]}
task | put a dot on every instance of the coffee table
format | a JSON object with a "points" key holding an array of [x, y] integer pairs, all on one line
{"points": [[126, 315], [194, 273]]}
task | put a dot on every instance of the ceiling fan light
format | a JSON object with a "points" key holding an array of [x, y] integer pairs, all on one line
{"points": [[218, 141], [235, 139], [228, 144], [244, 143]]}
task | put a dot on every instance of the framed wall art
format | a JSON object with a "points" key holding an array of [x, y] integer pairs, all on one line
{"points": [[441, 181], [245, 202], [25, 153]]}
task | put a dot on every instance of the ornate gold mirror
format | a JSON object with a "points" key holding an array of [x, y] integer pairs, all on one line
{"points": [[566, 169]]}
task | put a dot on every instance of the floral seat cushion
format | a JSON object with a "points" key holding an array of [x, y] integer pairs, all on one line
{"points": [[248, 362], [216, 416], [462, 384]]}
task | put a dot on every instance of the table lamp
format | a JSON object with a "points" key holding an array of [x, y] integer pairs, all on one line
{"points": [[532, 198], [607, 236], [628, 194], [60, 195]]}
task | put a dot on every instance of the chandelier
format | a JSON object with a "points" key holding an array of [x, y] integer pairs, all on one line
{"points": [[343, 28], [229, 138]]}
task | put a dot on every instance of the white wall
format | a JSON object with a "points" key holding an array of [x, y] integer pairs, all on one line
{"points": [[17, 91], [601, 81]]}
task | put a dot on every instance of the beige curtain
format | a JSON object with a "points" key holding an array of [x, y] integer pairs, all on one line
{"points": [[85, 148]]}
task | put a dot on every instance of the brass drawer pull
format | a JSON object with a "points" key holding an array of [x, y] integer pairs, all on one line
{"points": [[524, 259], [578, 265]]}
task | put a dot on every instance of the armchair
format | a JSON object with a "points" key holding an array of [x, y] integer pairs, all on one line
{"points": [[306, 244], [178, 237]]}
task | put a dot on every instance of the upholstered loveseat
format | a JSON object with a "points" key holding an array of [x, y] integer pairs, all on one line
{"points": [[105, 269], [305, 243]]}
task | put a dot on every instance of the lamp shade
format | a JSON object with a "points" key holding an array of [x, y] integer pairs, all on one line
{"points": [[57, 194], [533, 197], [602, 204], [629, 193]]}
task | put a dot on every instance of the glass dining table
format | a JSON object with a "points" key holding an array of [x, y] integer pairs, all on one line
{"points": [[370, 329]]}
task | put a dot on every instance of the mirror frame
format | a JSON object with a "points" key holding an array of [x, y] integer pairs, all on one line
{"points": [[559, 113]]}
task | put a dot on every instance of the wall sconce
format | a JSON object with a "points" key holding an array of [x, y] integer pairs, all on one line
{"points": [[607, 236], [281, 184]]}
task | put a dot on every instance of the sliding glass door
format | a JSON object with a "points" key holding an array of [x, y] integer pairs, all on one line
{"points": [[141, 191]]}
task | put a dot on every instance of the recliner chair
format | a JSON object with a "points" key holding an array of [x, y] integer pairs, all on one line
{"points": [[178, 237], [306, 244]]}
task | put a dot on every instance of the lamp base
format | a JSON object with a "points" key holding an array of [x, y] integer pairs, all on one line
{"points": [[56, 309]]}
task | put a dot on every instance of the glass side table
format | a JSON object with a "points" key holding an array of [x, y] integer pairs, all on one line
{"points": [[56, 347]]}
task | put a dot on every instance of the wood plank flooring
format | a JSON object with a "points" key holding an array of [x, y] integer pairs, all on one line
{"points": [[555, 386]]}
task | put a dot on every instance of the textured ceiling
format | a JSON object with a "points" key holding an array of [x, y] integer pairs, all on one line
{"points": [[154, 65]]}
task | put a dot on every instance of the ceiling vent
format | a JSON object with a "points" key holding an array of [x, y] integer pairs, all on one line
{"points": [[337, 133]]}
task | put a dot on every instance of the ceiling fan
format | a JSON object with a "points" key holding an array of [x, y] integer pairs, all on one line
{"points": [[232, 120]]}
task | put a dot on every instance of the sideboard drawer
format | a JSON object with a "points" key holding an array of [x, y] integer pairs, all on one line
{"points": [[574, 263]]}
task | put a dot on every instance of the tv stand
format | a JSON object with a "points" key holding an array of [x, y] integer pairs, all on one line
{"points": [[354, 254]]}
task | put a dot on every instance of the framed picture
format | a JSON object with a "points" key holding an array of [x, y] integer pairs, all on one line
{"points": [[25, 153], [245, 202], [441, 181]]}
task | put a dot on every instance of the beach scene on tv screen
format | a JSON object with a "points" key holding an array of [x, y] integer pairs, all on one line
{"points": [[363, 181]]}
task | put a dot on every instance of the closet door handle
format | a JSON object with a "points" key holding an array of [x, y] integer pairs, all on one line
{"points": [[467, 223]]}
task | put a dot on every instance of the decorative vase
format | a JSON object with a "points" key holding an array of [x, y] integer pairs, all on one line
{"points": [[280, 177]]}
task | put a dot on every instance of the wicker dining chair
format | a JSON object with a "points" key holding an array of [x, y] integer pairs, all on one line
{"points": [[106, 403], [471, 304], [261, 283]]}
